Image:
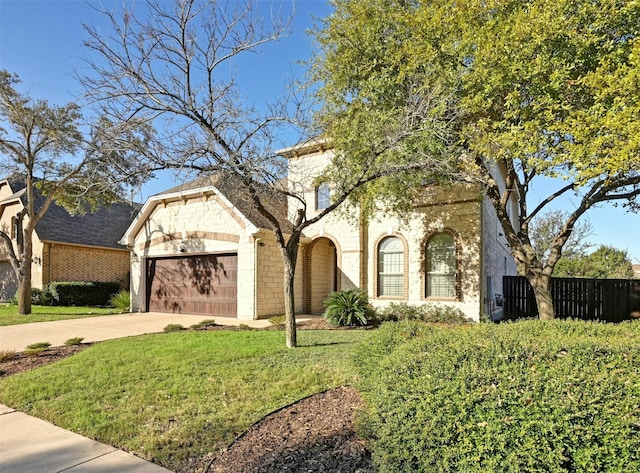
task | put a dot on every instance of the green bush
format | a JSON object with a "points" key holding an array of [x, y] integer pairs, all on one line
{"points": [[74, 341], [533, 396], [278, 320], [348, 308], [6, 355], [38, 297], [37, 348], [87, 293], [173, 328], [204, 324], [436, 313], [121, 300]]}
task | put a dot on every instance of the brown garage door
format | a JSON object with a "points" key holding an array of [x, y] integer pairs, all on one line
{"points": [[203, 284]]}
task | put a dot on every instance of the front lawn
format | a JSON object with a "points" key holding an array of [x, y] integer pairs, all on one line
{"points": [[166, 397], [9, 313]]}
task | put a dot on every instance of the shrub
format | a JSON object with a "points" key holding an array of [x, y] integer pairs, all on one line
{"points": [[436, 313], [83, 293], [173, 328], [121, 300], [6, 355], [37, 348], [204, 324], [533, 396], [38, 297], [348, 308], [74, 341], [278, 320]]}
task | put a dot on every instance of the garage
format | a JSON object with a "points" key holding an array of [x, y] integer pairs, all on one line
{"points": [[200, 284]]}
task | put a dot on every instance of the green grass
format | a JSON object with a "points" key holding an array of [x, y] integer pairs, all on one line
{"points": [[167, 396], [9, 313]]}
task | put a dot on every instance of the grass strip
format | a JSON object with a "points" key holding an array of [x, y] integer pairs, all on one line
{"points": [[9, 313], [168, 397]]}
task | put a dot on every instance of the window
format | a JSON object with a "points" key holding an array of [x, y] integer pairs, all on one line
{"points": [[323, 196], [391, 267], [441, 266]]}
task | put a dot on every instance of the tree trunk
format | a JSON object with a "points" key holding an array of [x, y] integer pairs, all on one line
{"points": [[289, 305], [24, 278], [542, 291]]}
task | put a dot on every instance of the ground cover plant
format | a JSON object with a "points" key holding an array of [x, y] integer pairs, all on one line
{"points": [[9, 313], [553, 396], [168, 397]]}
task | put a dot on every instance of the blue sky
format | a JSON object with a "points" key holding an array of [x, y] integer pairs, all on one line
{"points": [[41, 41]]}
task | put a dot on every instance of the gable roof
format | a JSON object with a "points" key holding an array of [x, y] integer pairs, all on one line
{"points": [[230, 190], [103, 227], [238, 195]]}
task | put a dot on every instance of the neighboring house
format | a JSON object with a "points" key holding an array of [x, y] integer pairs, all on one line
{"points": [[203, 248], [65, 247]]}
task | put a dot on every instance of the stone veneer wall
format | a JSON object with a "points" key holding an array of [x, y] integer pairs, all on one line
{"points": [[270, 279]]}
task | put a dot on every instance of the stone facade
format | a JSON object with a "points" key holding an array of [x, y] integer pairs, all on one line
{"points": [[337, 253]]}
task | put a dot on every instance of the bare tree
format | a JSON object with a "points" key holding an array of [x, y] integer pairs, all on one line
{"points": [[168, 65]]}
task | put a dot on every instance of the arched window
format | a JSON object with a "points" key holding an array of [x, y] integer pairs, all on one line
{"points": [[441, 266], [323, 196], [391, 267]]}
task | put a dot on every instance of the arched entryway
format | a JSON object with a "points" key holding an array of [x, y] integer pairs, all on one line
{"points": [[321, 272]]}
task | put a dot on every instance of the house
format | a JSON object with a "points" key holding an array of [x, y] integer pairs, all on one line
{"points": [[66, 247], [202, 248]]}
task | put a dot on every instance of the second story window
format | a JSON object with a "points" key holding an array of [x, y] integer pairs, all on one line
{"points": [[323, 196]]}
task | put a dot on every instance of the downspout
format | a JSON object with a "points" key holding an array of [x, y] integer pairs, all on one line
{"points": [[256, 244]]}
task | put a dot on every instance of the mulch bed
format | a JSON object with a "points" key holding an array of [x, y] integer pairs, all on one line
{"points": [[314, 435]]}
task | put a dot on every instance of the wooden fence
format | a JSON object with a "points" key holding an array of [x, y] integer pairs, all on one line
{"points": [[611, 300]]}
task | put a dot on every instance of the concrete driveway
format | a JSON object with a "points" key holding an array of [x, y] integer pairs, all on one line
{"points": [[103, 327]]}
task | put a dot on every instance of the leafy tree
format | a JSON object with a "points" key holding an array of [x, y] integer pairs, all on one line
{"points": [[606, 262], [545, 91], [43, 147], [167, 65]]}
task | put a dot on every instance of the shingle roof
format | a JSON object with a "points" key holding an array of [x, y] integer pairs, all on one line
{"points": [[237, 193], [102, 228]]}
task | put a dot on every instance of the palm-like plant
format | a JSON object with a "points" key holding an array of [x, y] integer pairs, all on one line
{"points": [[348, 308]]}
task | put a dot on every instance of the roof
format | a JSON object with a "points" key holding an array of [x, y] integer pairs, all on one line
{"points": [[238, 195], [103, 227]]}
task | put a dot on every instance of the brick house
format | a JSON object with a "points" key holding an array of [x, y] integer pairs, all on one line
{"points": [[202, 248], [66, 247]]}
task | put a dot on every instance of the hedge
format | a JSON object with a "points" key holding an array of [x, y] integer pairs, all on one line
{"points": [[554, 396], [79, 293]]}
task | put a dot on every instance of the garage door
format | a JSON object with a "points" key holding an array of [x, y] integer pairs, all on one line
{"points": [[8, 281], [204, 284]]}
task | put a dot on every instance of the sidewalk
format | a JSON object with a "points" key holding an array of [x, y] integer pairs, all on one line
{"points": [[30, 445], [103, 327]]}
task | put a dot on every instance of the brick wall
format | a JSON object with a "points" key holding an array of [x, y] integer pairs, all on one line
{"points": [[77, 263]]}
